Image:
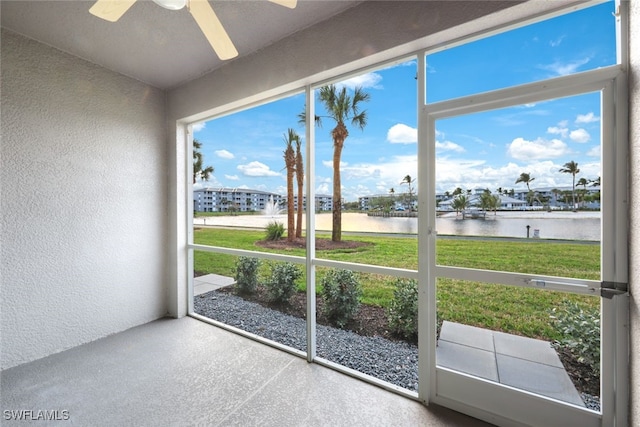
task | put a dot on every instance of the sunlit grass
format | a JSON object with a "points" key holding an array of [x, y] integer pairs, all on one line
{"points": [[523, 311]]}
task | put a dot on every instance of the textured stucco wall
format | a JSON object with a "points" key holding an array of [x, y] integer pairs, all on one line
{"points": [[634, 238], [83, 201]]}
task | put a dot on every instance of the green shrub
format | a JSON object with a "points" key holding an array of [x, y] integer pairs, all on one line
{"points": [[282, 284], [341, 294], [275, 230], [403, 309], [247, 274], [580, 331]]}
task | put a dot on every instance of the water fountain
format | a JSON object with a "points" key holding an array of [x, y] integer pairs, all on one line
{"points": [[271, 208]]}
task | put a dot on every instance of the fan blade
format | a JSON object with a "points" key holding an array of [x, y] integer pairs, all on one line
{"points": [[291, 4], [212, 28], [111, 10]]}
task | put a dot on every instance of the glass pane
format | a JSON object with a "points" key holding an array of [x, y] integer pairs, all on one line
{"points": [[247, 189], [376, 157], [373, 332], [262, 297], [518, 189], [544, 342], [556, 47]]}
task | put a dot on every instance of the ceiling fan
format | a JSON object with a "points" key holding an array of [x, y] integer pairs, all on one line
{"points": [[201, 10]]}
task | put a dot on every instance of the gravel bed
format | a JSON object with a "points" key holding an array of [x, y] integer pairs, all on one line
{"points": [[591, 402], [392, 361]]}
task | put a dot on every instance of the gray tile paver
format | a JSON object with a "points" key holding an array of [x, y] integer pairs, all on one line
{"points": [[537, 378], [210, 282], [467, 335], [469, 360], [525, 363], [526, 348]]}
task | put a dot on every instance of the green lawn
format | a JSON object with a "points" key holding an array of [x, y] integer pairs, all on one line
{"points": [[510, 309]]}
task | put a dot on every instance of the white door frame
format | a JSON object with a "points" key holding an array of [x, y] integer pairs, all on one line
{"points": [[491, 401]]}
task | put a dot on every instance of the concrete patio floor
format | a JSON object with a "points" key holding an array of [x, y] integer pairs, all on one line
{"points": [[185, 372]]}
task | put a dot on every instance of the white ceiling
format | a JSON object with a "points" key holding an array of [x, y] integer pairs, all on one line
{"points": [[157, 46]]}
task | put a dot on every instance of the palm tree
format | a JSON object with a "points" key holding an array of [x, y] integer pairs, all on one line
{"points": [[300, 179], [572, 168], [460, 203], [341, 107], [198, 170], [526, 178], [584, 182], [489, 201], [596, 183], [290, 164], [407, 180]]}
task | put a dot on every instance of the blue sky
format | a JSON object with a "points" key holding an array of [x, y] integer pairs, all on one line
{"points": [[485, 150]]}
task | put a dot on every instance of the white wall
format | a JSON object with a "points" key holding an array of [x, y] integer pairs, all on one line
{"points": [[83, 201], [634, 238]]}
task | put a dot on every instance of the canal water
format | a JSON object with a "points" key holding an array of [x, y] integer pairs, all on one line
{"points": [[542, 224]]}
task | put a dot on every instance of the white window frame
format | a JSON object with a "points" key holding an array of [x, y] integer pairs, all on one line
{"points": [[449, 388], [428, 373]]}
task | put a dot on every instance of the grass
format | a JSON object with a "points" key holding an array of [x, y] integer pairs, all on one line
{"points": [[517, 310], [226, 213]]}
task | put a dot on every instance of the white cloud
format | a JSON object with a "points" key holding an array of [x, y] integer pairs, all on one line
{"points": [[556, 130], [256, 169], [369, 80], [580, 135], [556, 42], [563, 69], [470, 174], [587, 118], [521, 149], [449, 146], [232, 177], [323, 189], [402, 134], [380, 174], [224, 154], [212, 182], [329, 164], [197, 127], [361, 171], [595, 151]]}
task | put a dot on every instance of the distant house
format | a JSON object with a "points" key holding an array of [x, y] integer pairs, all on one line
{"points": [[229, 199], [506, 203]]}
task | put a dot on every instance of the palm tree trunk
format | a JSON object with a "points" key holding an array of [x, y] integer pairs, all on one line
{"points": [[573, 191], [300, 178], [291, 228], [336, 233]]}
